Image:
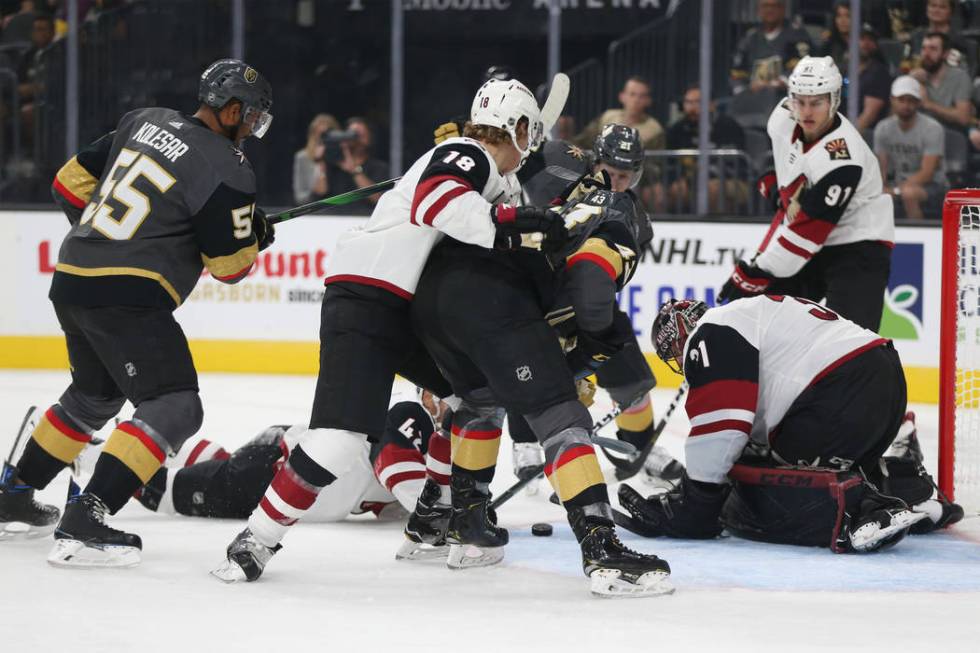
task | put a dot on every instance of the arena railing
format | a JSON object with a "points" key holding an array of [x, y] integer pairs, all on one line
{"points": [[671, 190]]}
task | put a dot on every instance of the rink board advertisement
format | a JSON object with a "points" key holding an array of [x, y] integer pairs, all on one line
{"points": [[270, 322]]}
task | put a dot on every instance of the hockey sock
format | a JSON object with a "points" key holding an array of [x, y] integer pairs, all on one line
{"points": [[55, 443], [475, 443], [636, 424], [297, 484], [573, 469], [131, 456], [203, 451], [438, 465]]}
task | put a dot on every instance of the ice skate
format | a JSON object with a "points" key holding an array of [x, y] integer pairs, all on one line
{"points": [[475, 539], [83, 540], [21, 517], [882, 528], [246, 559], [662, 469], [425, 533], [614, 570]]}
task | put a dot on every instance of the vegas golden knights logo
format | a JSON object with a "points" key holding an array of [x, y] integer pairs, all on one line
{"points": [[251, 75]]}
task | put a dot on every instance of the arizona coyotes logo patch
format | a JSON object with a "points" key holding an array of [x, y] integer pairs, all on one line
{"points": [[837, 149], [251, 75]]}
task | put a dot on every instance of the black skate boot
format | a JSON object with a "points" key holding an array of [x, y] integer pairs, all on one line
{"points": [[425, 533], [21, 517], [881, 522], [615, 570], [475, 538], [246, 559], [83, 539]]}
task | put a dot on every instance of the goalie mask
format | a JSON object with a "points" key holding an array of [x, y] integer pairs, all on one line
{"points": [[672, 327], [502, 104], [815, 76]]}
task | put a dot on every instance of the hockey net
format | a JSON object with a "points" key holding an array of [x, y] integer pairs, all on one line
{"points": [[959, 353]]}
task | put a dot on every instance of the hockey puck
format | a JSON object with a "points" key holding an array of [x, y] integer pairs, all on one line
{"points": [[542, 529]]}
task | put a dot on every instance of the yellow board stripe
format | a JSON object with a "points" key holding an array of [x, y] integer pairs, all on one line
{"points": [[475, 454], [576, 476], [223, 267], [120, 271], [56, 443], [299, 357], [133, 454]]}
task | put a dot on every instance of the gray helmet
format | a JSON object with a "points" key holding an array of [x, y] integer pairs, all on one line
{"points": [[619, 146], [231, 79]]}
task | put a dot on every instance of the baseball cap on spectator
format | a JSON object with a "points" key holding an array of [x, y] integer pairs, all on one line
{"points": [[906, 85], [867, 29]]}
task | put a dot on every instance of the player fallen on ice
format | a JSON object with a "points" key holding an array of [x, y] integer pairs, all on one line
{"points": [[463, 189], [792, 408], [151, 203], [833, 230]]}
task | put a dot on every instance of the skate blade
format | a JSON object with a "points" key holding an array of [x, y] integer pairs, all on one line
{"points": [[74, 554], [868, 537], [17, 530], [414, 551], [609, 584], [229, 572], [468, 556]]}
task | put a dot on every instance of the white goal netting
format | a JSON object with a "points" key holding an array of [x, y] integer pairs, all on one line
{"points": [[965, 438]]}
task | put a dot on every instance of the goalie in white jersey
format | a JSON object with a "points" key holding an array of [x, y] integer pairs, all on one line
{"points": [[833, 230], [796, 406], [457, 189]]}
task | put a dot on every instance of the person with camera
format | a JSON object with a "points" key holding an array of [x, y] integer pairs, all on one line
{"points": [[309, 169], [349, 164]]}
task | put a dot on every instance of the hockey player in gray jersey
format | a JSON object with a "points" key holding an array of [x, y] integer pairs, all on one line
{"points": [[151, 204]]}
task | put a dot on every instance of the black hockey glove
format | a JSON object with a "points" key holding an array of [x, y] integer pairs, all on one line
{"points": [[690, 512], [584, 185], [265, 231], [746, 281], [768, 187], [591, 352], [513, 222]]}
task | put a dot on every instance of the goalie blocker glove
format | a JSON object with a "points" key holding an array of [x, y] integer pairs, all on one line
{"points": [[690, 512], [747, 280], [512, 222]]}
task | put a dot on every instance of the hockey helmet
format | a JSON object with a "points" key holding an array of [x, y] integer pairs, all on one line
{"points": [[671, 328], [619, 146], [502, 104], [231, 79], [816, 76]]}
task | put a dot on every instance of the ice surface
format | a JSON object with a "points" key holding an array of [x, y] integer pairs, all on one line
{"points": [[337, 587]]}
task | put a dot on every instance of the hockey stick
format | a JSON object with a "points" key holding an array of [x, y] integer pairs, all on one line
{"points": [[555, 102], [628, 468], [8, 464], [337, 200], [535, 472]]}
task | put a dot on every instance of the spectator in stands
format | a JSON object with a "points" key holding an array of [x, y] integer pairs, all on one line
{"points": [[911, 149], [947, 89], [767, 53], [350, 166], [683, 134], [635, 98], [875, 81], [836, 40], [939, 14], [309, 168], [28, 82]]}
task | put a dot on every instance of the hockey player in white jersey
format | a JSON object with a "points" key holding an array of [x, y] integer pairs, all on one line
{"points": [[833, 230], [796, 405], [457, 189]]}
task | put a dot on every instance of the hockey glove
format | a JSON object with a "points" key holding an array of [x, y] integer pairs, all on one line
{"points": [[447, 130], [513, 222], [690, 512], [591, 352], [746, 281], [768, 187], [265, 231], [582, 186]]}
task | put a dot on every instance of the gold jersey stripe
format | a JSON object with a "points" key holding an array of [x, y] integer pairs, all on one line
{"points": [[576, 476], [223, 267], [132, 453], [120, 271], [598, 247], [56, 443], [79, 181], [474, 454]]}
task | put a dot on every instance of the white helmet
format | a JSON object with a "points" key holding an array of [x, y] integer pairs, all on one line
{"points": [[816, 76], [502, 104]]}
